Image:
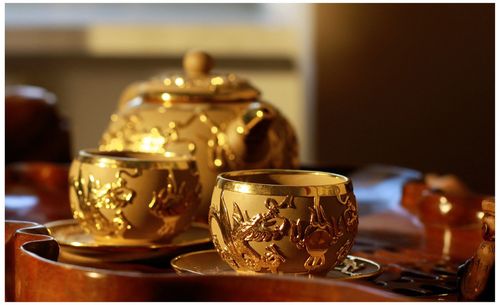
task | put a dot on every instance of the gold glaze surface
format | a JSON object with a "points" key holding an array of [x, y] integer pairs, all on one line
{"points": [[291, 228], [219, 119], [135, 160], [208, 262], [248, 181], [131, 197], [79, 245]]}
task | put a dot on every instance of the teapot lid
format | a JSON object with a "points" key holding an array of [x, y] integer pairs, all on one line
{"points": [[198, 84]]}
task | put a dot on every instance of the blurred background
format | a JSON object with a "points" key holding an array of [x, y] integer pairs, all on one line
{"points": [[410, 85]]}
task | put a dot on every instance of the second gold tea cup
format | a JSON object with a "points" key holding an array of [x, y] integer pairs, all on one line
{"points": [[133, 198], [283, 221]]}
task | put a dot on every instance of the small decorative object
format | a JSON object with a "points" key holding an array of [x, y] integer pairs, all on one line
{"points": [[477, 275], [217, 118], [35, 130], [133, 198], [209, 262], [415, 190], [288, 221], [447, 209]]}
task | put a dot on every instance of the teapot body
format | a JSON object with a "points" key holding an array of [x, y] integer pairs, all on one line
{"points": [[222, 136]]}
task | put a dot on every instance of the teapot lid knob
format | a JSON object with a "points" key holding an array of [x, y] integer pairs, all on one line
{"points": [[197, 63]]}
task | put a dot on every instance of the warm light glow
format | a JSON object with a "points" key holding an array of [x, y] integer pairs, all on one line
{"points": [[240, 129], [243, 188], [211, 143], [203, 118], [76, 243], [221, 139], [217, 81], [480, 215], [94, 275], [167, 103], [191, 147], [114, 117], [101, 163], [167, 81], [259, 113], [165, 96], [171, 124], [169, 154], [444, 205], [446, 242], [152, 143], [218, 162], [179, 81], [214, 129]]}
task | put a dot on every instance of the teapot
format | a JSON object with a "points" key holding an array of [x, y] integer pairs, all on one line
{"points": [[217, 118]]}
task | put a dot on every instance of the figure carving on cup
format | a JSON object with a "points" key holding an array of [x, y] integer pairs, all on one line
{"points": [[277, 226], [259, 228], [173, 200], [146, 198]]}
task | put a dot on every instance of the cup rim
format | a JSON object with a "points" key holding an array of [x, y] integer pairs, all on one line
{"points": [[116, 158], [225, 182]]}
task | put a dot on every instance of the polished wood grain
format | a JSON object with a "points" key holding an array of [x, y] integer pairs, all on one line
{"points": [[33, 274]]}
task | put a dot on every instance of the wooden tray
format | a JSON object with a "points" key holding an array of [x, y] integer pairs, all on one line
{"points": [[34, 274]]}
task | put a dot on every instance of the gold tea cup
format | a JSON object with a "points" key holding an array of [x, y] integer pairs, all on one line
{"points": [[283, 221], [133, 198]]}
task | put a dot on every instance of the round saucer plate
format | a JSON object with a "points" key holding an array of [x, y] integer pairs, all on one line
{"points": [[76, 244], [208, 262]]}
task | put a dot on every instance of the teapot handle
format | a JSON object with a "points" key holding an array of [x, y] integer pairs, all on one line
{"points": [[248, 134], [257, 115]]}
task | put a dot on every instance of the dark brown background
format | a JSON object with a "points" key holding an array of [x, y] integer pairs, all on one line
{"points": [[411, 85], [404, 84]]}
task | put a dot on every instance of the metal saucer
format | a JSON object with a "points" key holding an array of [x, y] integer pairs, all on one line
{"points": [[76, 244], [208, 262]]}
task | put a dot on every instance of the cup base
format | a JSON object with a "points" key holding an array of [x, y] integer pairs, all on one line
{"points": [[108, 240], [208, 262], [318, 273]]}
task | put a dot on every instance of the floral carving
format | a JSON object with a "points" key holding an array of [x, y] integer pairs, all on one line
{"points": [[343, 251], [351, 216], [112, 196], [173, 200], [130, 132], [93, 197]]}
